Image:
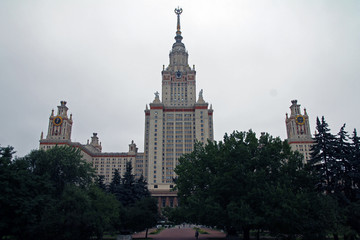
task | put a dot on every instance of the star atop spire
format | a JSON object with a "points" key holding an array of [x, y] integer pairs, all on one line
{"points": [[178, 36]]}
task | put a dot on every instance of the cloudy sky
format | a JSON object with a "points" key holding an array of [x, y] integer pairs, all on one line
{"points": [[105, 59]]}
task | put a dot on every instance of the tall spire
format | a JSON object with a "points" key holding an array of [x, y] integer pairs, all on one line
{"points": [[178, 36], [178, 54]]}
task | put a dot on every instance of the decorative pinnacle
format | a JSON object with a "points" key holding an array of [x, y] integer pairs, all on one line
{"points": [[178, 11]]}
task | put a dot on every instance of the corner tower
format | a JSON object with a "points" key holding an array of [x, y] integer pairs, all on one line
{"points": [[175, 122], [59, 129], [298, 130], [60, 125]]}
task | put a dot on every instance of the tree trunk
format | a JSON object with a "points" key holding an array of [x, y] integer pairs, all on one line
{"points": [[336, 236], [258, 234], [146, 233], [349, 237], [99, 235], [246, 233]]}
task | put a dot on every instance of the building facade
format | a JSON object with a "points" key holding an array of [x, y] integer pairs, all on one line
{"points": [[298, 130], [175, 122]]}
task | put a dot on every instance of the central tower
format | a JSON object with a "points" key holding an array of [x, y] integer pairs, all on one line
{"points": [[175, 122], [178, 79]]}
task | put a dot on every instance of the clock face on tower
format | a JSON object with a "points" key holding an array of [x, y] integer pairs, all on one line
{"points": [[57, 121], [178, 74], [300, 120]]}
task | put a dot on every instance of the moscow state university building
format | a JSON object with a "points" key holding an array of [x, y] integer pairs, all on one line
{"points": [[173, 123]]}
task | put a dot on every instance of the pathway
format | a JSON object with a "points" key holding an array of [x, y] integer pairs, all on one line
{"points": [[183, 233]]}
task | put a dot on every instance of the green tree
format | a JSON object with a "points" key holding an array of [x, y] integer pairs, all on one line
{"points": [[51, 195], [100, 180], [61, 165], [104, 211], [6, 210], [127, 189], [323, 156], [80, 214], [141, 215], [138, 210], [23, 197], [335, 162], [355, 166], [115, 182], [245, 183]]}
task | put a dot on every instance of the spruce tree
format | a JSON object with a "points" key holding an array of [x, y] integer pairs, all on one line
{"points": [[126, 189], [355, 166], [323, 158], [115, 183], [100, 182], [141, 190], [342, 168], [128, 178]]}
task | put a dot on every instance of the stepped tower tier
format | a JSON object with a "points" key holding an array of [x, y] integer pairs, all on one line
{"points": [[178, 79]]}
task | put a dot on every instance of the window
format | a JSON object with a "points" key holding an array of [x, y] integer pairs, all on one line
{"points": [[171, 202]]}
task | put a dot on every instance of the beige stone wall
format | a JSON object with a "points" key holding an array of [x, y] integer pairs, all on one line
{"points": [[155, 150], [103, 163], [304, 148]]}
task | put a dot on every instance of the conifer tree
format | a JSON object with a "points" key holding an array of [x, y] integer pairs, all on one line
{"points": [[355, 166], [342, 169], [128, 178], [134, 195], [115, 183], [101, 182], [141, 190], [323, 156], [335, 162]]}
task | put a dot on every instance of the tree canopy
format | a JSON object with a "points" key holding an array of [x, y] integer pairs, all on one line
{"points": [[245, 182], [139, 210], [51, 195], [335, 163]]}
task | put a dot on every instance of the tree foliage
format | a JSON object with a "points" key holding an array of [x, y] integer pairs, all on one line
{"points": [[245, 183], [139, 210], [51, 195], [335, 161]]}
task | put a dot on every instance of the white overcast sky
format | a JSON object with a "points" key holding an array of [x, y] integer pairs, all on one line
{"points": [[105, 59]]}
